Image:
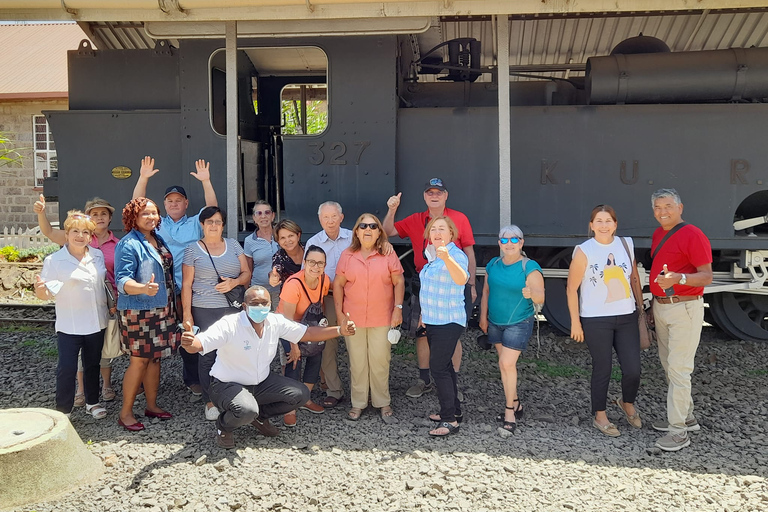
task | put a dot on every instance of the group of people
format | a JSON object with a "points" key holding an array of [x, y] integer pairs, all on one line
{"points": [[232, 309]]}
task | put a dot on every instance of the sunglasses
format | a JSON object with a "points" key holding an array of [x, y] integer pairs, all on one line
{"points": [[513, 240], [259, 213], [364, 225]]}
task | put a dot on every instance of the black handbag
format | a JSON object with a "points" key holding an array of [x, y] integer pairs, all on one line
{"points": [[313, 316], [234, 296]]}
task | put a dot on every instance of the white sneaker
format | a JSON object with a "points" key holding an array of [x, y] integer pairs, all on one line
{"points": [[211, 414]]}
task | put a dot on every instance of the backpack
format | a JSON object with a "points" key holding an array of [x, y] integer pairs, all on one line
{"points": [[312, 317]]}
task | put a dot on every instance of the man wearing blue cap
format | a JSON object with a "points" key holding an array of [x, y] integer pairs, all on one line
{"points": [[179, 231]]}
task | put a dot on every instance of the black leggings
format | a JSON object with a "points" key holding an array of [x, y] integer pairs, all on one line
{"points": [[442, 341], [619, 333]]}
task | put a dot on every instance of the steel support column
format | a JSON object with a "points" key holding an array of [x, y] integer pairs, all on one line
{"points": [[502, 77], [232, 129]]}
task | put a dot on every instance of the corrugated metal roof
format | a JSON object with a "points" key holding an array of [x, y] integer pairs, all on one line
{"points": [[544, 40], [34, 59]]}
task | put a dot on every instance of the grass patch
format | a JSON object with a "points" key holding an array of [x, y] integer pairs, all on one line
{"points": [[46, 347], [22, 328], [404, 348], [483, 355], [757, 373]]}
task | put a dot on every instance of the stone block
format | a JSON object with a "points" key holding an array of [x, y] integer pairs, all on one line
{"points": [[18, 209], [13, 191]]}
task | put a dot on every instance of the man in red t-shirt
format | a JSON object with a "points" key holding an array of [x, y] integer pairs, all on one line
{"points": [[413, 226], [681, 269]]}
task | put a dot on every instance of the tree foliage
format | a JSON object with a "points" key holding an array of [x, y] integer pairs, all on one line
{"points": [[9, 153]]}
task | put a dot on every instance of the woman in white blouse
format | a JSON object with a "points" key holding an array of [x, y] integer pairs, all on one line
{"points": [[74, 277]]}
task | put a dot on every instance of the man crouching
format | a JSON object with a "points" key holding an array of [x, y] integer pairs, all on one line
{"points": [[242, 386]]}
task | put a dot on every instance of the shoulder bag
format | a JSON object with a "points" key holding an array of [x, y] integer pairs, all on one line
{"points": [[312, 317], [647, 331], [112, 347], [234, 296]]}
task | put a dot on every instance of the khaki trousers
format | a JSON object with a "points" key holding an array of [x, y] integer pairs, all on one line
{"points": [[369, 355], [330, 364], [678, 327]]}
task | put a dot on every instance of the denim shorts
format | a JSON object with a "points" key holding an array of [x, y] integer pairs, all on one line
{"points": [[513, 336]]}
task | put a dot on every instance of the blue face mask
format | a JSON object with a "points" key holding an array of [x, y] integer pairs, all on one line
{"points": [[258, 313]]}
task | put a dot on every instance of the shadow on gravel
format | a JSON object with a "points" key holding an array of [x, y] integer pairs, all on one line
{"points": [[729, 393]]}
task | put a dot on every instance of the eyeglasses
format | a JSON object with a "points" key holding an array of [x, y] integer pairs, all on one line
{"points": [[364, 225], [259, 213], [313, 263], [210, 222], [514, 240]]}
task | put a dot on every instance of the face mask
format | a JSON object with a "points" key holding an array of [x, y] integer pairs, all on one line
{"points": [[430, 253], [258, 313]]}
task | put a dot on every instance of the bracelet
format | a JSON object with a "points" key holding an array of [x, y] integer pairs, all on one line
{"points": [[338, 330]]}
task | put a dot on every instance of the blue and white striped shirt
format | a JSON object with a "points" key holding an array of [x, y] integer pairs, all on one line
{"points": [[442, 300], [204, 293]]}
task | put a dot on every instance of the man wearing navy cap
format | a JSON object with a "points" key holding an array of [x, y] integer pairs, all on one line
{"points": [[179, 231], [413, 226]]}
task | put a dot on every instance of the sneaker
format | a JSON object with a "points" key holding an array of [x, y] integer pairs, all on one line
{"points": [[313, 407], [673, 442], [211, 413], [108, 394], [290, 419], [225, 440], [691, 425], [419, 389], [79, 400], [196, 389], [265, 427]]}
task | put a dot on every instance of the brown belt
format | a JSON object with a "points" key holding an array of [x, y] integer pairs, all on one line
{"points": [[675, 299]]}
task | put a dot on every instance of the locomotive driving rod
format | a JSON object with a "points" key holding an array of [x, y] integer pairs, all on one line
{"points": [[749, 223]]}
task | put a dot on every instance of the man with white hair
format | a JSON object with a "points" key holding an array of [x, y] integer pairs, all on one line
{"points": [[681, 268], [333, 239]]}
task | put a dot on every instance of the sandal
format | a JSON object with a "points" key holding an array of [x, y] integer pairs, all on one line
{"points": [[79, 399], [332, 401], [354, 413], [108, 394], [452, 429], [96, 410], [436, 417], [518, 412], [632, 419], [386, 412], [610, 429]]}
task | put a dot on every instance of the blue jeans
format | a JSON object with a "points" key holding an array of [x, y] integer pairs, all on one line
{"points": [[311, 366], [514, 336], [69, 346]]}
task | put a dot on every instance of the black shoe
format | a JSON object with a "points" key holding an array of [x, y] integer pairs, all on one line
{"points": [[436, 417], [518, 412]]}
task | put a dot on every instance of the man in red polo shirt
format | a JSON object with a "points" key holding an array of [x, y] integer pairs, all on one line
{"points": [[681, 268], [413, 226]]}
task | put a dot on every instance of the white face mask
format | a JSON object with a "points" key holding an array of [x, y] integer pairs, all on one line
{"points": [[430, 253], [393, 335]]}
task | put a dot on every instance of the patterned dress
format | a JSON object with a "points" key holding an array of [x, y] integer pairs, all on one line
{"points": [[152, 333]]}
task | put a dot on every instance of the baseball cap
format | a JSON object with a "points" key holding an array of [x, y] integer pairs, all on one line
{"points": [[176, 189], [435, 183], [98, 202]]}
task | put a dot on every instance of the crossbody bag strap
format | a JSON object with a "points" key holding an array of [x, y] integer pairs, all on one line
{"points": [[211, 257], [666, 237], [306, 292], [639, 300]]}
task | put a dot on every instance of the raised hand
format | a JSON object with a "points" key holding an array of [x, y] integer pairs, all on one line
{"points": [[39, 206], [203, 170], [442, 252], [152, 287], [188, 336], [274, 277], [394, 201], [148, 167]]}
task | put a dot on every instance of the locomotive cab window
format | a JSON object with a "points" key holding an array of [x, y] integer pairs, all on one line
{"points": [[304, 109]]}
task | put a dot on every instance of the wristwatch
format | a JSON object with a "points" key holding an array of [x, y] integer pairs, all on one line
{"points": [[399, 306], [682, 279]]}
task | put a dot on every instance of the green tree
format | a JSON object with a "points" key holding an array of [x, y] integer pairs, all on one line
{"points": [[9, 153]]}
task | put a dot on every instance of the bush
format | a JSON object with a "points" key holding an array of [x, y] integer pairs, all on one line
{"points": [[12, 254]]}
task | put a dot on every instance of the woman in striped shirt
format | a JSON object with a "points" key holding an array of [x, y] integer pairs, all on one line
{"points": [[212, 266]]}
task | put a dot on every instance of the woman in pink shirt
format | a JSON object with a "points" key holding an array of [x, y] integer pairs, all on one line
{"points": [[369, 287]]}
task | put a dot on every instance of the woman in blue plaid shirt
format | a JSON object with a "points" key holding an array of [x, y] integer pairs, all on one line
{"points": [[442, 313]]}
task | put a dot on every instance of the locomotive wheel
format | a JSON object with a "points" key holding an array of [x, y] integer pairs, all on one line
{"points": [[741, 315], [556, 304]]}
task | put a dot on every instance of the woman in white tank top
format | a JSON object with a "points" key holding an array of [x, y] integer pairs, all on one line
{"points": [[605, 315]]}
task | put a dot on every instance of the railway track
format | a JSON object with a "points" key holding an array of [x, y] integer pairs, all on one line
{"points": [[38, 314]]}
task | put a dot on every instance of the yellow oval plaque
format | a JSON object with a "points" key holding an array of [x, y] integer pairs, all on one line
{"points": [[121, 172]]}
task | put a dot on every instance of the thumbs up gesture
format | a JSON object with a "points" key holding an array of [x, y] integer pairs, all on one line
{"points": [[666, 279], [347, 326], [394, 201], [39, 206], [188, 340], [152, 287], [274, 277]]}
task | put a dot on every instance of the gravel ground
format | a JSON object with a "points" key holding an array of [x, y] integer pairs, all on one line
{"points": [[555, 461]]}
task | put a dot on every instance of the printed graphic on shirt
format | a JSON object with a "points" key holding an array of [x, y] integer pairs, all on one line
{"points": [[615, 280]]}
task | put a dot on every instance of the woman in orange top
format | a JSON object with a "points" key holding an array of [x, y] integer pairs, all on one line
{"points": [[294, 301], [369, 287]]}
